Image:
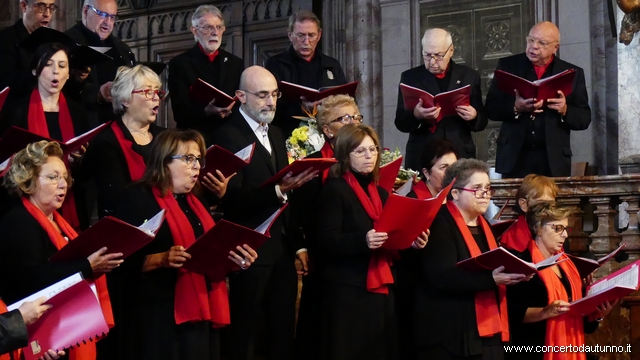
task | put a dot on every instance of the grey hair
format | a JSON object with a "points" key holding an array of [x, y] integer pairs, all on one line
{"points": [[203, 10], [461, 171], [303, 15], [448, 37], [127, 80]]}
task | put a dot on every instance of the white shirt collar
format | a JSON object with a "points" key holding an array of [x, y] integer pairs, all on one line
{"points": [[254, 125]]}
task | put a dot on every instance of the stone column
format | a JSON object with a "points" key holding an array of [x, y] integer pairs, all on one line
{"points": [[631, 236], [605, 239], [578, 241]]}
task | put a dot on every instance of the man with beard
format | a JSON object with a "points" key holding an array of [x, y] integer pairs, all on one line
{"points": [[268, 288], [208, 62], [14, 60], [93, 86]]}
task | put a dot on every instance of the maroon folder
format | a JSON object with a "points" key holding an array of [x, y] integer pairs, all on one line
{"points": [[404, 219], [203, 92], [499, 256], [114, 234], [587, 266], [299, 166], [543, 89], [16, 139], [389, 173], [219, 158], [75, 319], [209, 254], [447, 101], [498, 227], [3, 96], [292, 92]]}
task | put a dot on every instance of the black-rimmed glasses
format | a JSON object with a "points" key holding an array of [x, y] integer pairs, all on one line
{"points": [[190, 159], [559, 228], [437, 57], [348, 119], [480, 193], [42, 7]]}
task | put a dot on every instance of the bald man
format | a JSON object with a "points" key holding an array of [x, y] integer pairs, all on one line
{"points": [[268, 288], [535, 133], [439, 74]]}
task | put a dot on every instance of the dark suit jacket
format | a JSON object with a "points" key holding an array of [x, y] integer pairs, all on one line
{"points": [[282, 66], [184, 70], [445, 311], [13, 332], [342, 225], [452, 128], [246, 202], [303, 208], [557, 129], [25, 249], [14, 64], [87, 91]]}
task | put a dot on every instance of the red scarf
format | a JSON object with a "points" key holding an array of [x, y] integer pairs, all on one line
{"points": [[379, 274], [422, 191], [491, 317], [37, 124], [564, 329], [540, 70], [13, 355], [87, 352], [192, 303], [327, 153], [135, 162], [517, 236], [210, 56]]}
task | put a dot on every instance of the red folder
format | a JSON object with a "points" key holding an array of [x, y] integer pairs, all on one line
{"points": [[543, 89], [16, 139], [587, 266], [74, 319], [404, 219], [3, 96], [499, 256], [114, 234], [209, 254], [615, 286], [299, 166], [498, 227], [447, 101], [292, 92], [389, 173], [219, 158], [203, 92]]}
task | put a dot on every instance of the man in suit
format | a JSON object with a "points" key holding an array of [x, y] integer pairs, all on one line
{"points": [[269, 286], [535, 133], [301, 64], [440, 74], [205, 60], [14, 60], [92, 86]]}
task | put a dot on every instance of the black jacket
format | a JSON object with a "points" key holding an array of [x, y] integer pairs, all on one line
{"points": [[14, 64], [452, 128], [13, 332], [282, 66], [557, 129], [184, 70]]}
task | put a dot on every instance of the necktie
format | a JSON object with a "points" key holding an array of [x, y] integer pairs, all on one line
{"points": [[265, 136]]}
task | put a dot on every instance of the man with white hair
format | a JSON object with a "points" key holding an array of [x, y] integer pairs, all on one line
{"points": [[94, 89], [440, 74], [207, 61]]}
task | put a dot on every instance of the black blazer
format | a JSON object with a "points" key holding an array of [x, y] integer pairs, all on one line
{"points": [[445, 304], [246, 202], [557, 129], [25, 249], [452, 128], [342, 225], [13, 332], [14, 64], [184, 70], [303, 210], [105, 164], [282, 66]]}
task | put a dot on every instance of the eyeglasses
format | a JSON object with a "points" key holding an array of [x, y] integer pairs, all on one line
{"points": [[559, 229], [42, 7], [437, 57], [303, 37], [104, 15], [348, 119], [480, 193], [55, 178], [263, 95], [361, 150], [190, 159], [149, 93], [208, 29], [542, 43]]}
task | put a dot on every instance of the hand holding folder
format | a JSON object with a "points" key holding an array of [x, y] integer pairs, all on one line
{"points": [[543, 89], [447, 101], [293, 92], [203, 93], [219, 158], [587, 266], [299, 166], [499, 256]]}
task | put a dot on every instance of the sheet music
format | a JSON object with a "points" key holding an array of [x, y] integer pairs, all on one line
{"points": [[97, 128], [262, 228], [50, 291], [627, 279], [151, 226], [245, 154], [101, 49], [4, 164], [405, 188], [599, 261], [548, 262]]}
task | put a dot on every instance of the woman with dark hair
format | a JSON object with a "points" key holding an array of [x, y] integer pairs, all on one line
{"points": [[171, 313], [461, 314], [538, 308], [358, 301], [436, 157]]}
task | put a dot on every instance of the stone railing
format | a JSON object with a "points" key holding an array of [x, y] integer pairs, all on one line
{"points": [[596, 200]]}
